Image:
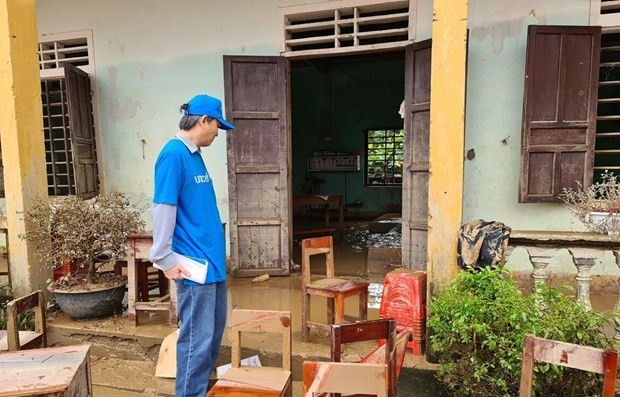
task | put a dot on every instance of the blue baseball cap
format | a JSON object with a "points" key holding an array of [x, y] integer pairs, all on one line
{"points": [[205, 105]]}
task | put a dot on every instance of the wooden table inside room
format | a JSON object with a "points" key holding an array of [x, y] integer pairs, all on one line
{"points": [[325, 201], [52, 371]]}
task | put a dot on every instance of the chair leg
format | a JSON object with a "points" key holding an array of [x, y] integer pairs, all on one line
{"points": [[143, 281], [339, 309], [330, 311], [163, 283], [364, 306], [305, 316]]}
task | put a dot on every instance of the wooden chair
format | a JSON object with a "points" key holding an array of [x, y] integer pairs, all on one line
{"points": [[336, 290], [569, 355], [344, 378], [21, 340], [365, 331], [257, 381]]}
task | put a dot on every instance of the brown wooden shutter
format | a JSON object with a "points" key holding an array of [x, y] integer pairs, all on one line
{"points": [[416, 154], [559, 110], [258, 164], [82, 132]]}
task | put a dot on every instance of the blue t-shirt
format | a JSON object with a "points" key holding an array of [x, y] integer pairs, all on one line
{"points": [[182, 179]]}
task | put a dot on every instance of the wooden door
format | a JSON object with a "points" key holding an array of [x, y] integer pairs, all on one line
{"points": [[416, 155], [559, 110], [82, 132], [258, 164]]}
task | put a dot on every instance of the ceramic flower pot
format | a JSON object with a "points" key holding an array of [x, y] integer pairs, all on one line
{"points": [[605, 222], [95, 303]]}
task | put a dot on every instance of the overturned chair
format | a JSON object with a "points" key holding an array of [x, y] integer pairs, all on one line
{"points": [[344, 378]]}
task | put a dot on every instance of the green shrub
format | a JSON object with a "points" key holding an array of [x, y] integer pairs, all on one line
{"points": [[478, 325]]}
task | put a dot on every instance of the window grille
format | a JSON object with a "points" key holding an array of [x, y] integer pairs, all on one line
{"points": [[58, 49], [610, 6], [384, 157], [346, 26], [58, 156]]}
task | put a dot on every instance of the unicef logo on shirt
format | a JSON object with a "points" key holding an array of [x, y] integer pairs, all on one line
{"points": [[202, 178]]}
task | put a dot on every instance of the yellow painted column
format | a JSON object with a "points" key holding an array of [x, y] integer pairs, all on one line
{"points": [[21, 135], [447, 136]]}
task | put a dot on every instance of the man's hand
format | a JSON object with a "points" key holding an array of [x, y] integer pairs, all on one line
{"points": [[177, 273]]}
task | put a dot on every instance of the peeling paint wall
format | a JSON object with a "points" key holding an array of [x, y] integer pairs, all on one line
{"points": [[150, 57], [495, 78]]}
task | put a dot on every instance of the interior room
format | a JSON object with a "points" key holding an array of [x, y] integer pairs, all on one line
{"points": [[347, 141]]}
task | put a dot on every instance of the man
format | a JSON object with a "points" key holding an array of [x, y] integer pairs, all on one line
{"points": [[187, 226]]}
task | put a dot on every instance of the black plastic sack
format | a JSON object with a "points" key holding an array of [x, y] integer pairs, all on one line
{"points": [[482, 244]]}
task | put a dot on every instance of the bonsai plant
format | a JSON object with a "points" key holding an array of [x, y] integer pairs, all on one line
{"points": [[597, 206], [86, 234]]}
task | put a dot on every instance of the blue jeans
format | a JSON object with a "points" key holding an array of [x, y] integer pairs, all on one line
{"points": [[202, 311]]}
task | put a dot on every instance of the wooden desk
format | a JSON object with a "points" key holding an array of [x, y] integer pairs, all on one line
{"points": [[325, 201], [138, 248], [53, 371]]}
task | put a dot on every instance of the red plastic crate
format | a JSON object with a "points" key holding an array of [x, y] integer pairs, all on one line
{"points": [[404, 299]]}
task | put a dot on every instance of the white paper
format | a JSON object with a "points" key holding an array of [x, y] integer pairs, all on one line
{"points": [[197, 270], [252, 361]]}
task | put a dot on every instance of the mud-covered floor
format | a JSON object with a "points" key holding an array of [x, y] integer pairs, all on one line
{"points": [[124, 355], [352, 256]]}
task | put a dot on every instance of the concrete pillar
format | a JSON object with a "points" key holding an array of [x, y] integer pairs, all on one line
{"points": [[447, 136], [21, 136]]}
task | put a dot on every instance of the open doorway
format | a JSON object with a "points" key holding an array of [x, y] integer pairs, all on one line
{"points": [[347, 146], [266, 170]]}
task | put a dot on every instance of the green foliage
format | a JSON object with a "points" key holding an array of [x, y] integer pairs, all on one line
{"points": [[601, 196], [385, 156], [478, 326]]}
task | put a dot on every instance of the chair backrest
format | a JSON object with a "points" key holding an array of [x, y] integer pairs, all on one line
{"points": [[365, 331], [16, 307], [316, 246], [344, 378], [569, 355], [261, 321]]}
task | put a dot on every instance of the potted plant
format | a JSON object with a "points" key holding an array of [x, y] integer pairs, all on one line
{"points": [[597, 206], [87, 234]]}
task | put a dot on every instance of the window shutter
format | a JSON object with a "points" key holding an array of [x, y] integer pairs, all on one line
{"points": [[82, 132], [559, 110]]}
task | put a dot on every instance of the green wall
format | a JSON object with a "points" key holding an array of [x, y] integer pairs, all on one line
{"points": [[358, 93], [495, 80]]}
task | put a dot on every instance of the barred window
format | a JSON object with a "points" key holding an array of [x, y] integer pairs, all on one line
{"points": [[384, 157]]}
